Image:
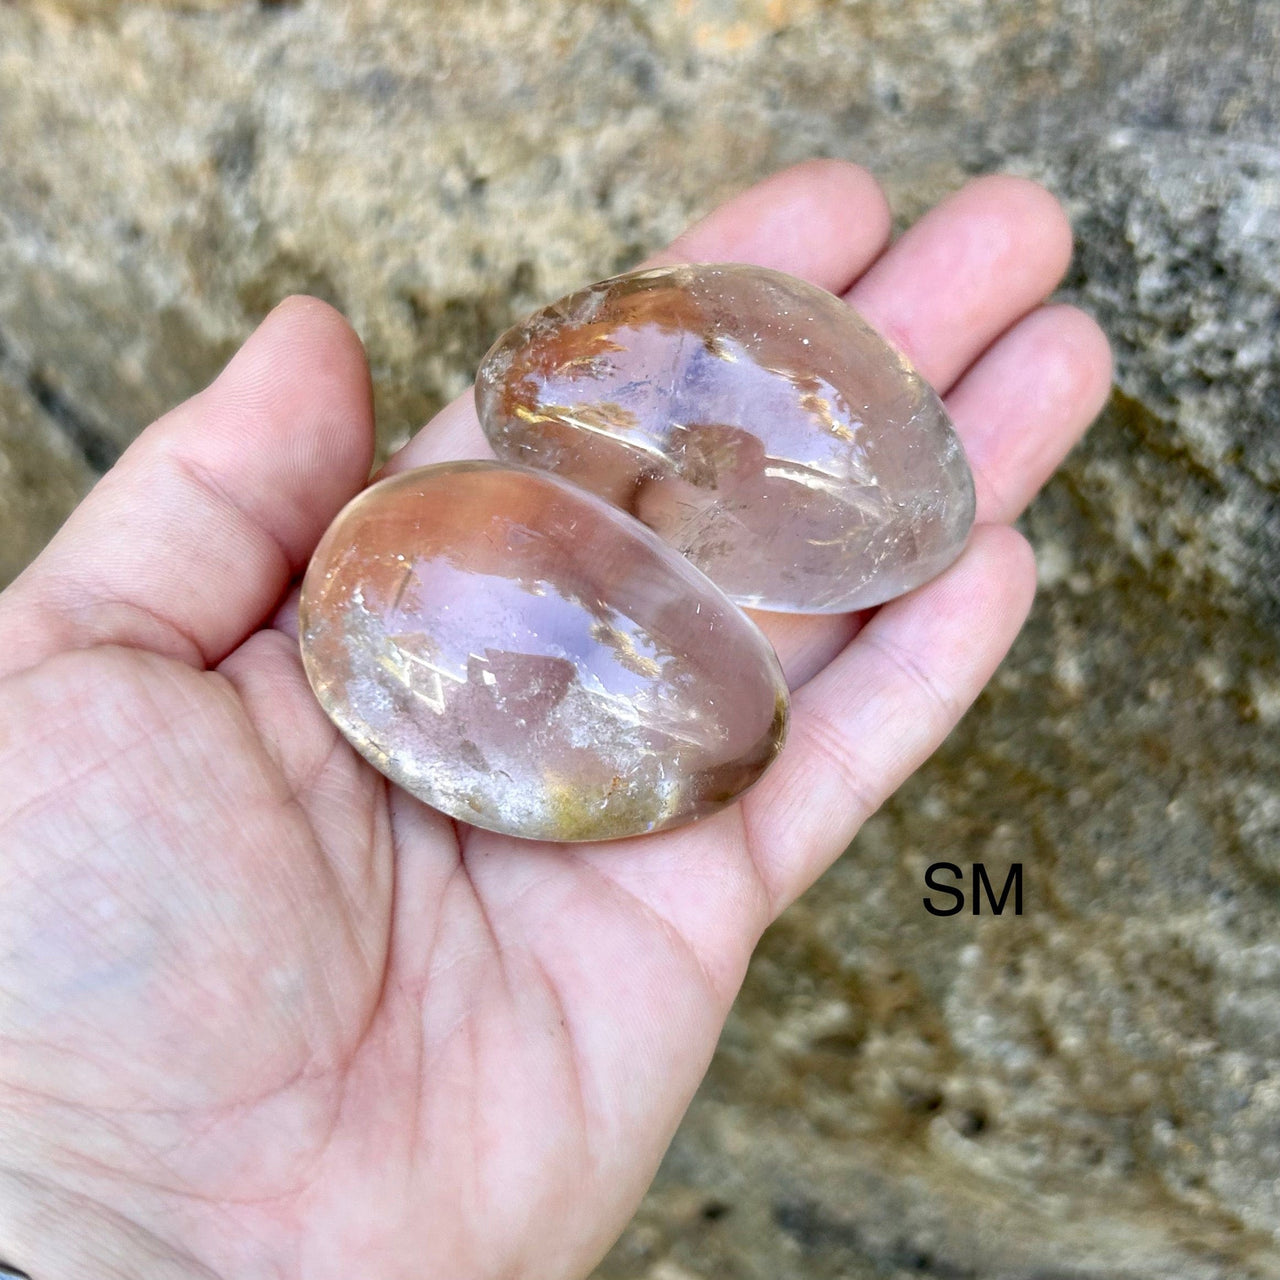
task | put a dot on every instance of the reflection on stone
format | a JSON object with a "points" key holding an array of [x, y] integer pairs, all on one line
{"points": [[522, 656], [757, 424]]}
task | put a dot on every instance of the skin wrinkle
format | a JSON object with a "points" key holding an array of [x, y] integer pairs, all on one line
{"points": [[477, 900], [74, 780], [835, 750], [576, 1076], [123, 1048], [307, 786], [205, 482], [472, 1030], [131, 1225], [749, 894], [111, 1175], [284, 800], [836, 753], [459, 959], [72, 856], [471, 1034], [161, 1180], [249, 1104], [99, 838], [399, 841], [333, 1023], [385, 990], [78, 1159], [299, 1185], [141, 707], [655, 917], [988, 496], [905, 663], [376, 952], [36, 731], [468, 1022], [300, 795], [419, 1095], [248, 408], [92, 635], [772, 894], [92, 927], [347, 913], [51, 1100]]}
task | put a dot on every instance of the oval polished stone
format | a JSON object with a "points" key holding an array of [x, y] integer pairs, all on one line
{"points": [[524, 657], [754, 421]]}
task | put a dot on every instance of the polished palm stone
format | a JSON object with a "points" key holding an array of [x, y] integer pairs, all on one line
{"points": [[755, 422], [524, 657]]}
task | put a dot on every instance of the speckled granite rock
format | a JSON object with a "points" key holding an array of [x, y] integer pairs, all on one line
{"points": [[42, 476], [1089, 1090]]}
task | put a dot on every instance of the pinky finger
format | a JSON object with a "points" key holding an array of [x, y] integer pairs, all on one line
{"points": [[868, 720], [1022, 407]]}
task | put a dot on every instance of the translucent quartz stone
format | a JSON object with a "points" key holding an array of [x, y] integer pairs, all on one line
{"points": [[526, 658], [755, 422]]}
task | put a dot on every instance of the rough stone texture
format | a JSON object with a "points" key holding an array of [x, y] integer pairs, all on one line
{"points": [[42, 476], [1089, 1090]]}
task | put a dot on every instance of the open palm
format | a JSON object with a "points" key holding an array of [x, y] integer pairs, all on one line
{"points": [[264, 1015]]}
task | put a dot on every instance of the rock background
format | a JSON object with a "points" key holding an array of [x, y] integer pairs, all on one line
{"points": [[1089, 1090]]}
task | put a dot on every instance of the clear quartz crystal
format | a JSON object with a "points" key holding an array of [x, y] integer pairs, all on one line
{"points": [[755, 422], [524, 657]]}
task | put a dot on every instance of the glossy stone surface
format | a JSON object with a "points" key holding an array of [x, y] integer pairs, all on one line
{"points": [[755, 422], [522, 656]]}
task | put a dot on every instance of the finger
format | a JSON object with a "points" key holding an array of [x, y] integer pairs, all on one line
{"points": [[951, 284], [875, 714], [965, 272], [824, 220], [1019, 411], [1026, 402], [186, 545], [806, 642]]}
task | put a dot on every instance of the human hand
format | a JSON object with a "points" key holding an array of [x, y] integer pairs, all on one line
{"points": [[263, 1014]]}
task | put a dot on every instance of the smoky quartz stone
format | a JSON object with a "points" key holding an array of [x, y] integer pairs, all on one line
{"points": [[755, 422], [524, 657]]}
